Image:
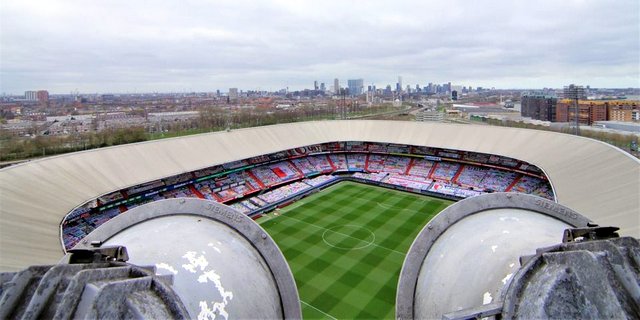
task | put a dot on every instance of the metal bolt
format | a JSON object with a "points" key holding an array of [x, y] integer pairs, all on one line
{"points": [[264, 236], [429, 227]]}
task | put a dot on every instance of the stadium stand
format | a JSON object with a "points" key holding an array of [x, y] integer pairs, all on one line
{"points": [[306, 167], [445, 170], [321, 163], [252, 188], [497, 180], [356, 161], [339, 161], [605, 182], [471, 175], [421, 168], [408, 181], [396, 164]]}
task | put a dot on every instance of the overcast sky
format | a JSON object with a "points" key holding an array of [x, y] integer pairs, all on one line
{"points": [[199, 45]]}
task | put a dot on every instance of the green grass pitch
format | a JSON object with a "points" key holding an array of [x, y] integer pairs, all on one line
{"points": [[346, 245]]}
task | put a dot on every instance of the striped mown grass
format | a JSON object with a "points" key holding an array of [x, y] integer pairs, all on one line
{"points": [[346, 245]]}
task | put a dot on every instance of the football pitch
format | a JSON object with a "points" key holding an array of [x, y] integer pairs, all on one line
{"points": [[346, 245]]}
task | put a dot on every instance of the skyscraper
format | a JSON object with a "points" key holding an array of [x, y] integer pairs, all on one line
{"points": [[336, 85], [233, 93], [356, 86]]}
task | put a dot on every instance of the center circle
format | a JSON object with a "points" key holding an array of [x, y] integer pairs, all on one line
{"points": [[348, 237]]}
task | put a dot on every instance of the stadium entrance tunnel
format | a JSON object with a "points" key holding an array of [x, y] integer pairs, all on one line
{"points": [[508, 255], [185, 258]]}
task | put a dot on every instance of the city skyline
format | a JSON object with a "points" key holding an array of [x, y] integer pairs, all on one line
{"points": [[122, 47]]}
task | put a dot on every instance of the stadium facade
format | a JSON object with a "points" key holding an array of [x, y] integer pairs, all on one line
{"points": [[591, 177]]}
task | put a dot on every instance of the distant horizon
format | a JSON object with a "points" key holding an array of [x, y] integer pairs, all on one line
{"points": [[290, 90], [199, 45]]}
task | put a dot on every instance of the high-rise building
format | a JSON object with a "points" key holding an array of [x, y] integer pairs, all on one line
{"points": [[315, 85], [336, 85], [42, 96], [539, 106], [31, 95], [233, 93], [399, 84], [356, 86], [322, 87]]}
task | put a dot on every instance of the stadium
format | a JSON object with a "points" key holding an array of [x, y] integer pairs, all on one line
{"points": [[321, 189]]}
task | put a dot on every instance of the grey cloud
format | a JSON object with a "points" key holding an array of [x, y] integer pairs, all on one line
{"points": [[203, 45]]}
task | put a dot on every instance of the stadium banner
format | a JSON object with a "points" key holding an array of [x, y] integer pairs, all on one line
{"points": [[449, 154], [377, 147], [333, 146], [398, 148], [432, 158], [312, 149]]}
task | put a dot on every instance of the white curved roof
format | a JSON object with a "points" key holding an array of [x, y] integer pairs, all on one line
{"points": [[593, 178]]}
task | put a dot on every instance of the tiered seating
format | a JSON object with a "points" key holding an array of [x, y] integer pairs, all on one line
{"points": [[227, 187], [340, 161], [285, 170], [452, 190], [356, 161], [421, 167], [283, 192], [183, 192], [376, 162], [276, 173], [526, 184], [95, 220], [228, 194], [319, 180], [320, 162], [408, 181], [247, 203], [240, 207], [389, 169], [377, 176], [471, 176], [544, 190], [446, 170], [497, 180], [258, 202], [206, 188], [395, 164], [305, 166]]}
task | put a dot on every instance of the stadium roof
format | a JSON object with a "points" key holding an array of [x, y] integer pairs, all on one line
{"points": [[591, 177]]}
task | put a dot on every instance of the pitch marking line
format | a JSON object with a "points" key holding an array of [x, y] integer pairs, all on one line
{"points": [[326, 314], [346, 235], [368, 243]]}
